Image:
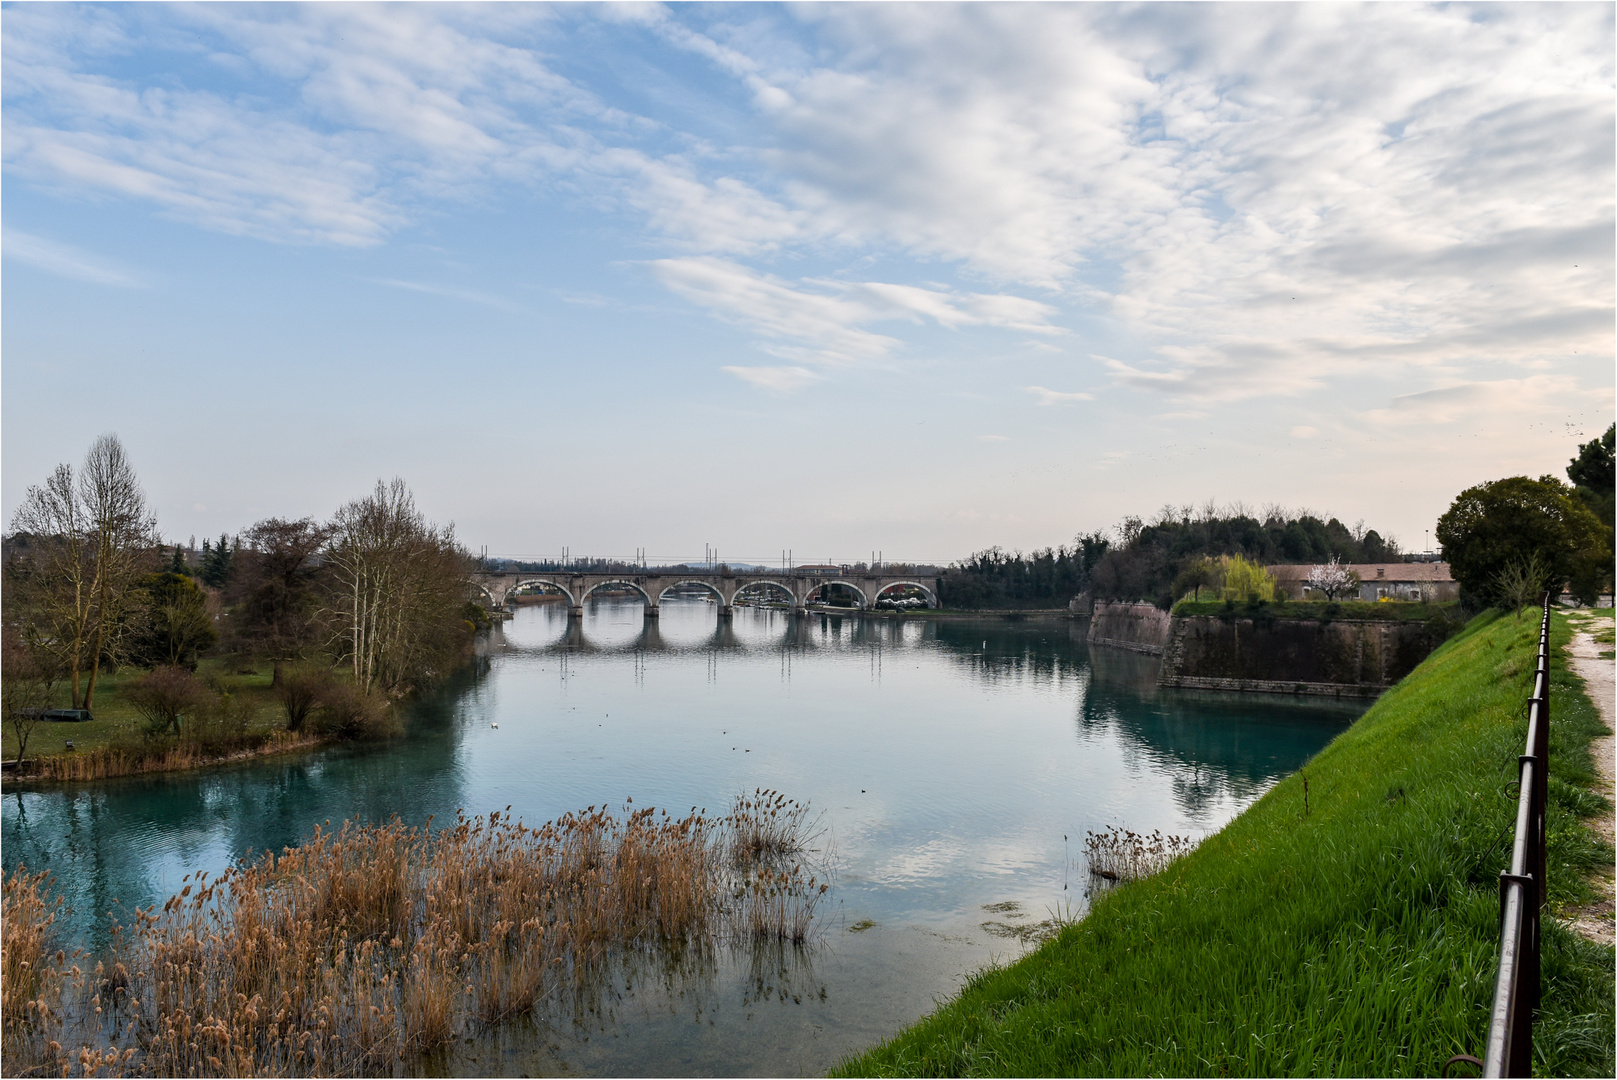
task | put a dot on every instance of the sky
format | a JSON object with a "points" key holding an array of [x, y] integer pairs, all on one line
{"points": [[916, 280]]}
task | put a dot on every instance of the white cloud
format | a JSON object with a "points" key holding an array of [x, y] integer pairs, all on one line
{"points": [[826, 326], [65, 260], [993, 438], [1257, 206], [470, 296], [829, 323], [1470, 400], [779, 380], [1058, 397]]}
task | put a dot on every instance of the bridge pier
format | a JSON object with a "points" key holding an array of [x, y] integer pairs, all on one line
{"points": [[651, 611], [726, 611], [575, 611]]}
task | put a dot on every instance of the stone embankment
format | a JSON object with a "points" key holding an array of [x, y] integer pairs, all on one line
{"points": [[1346, 658], [1142, 628]]}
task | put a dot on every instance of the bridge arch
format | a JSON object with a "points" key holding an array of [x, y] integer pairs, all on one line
{"points": [[552, 582], [864, 600], [708, 585], [931, 597], [644, 595], [765, 583]]}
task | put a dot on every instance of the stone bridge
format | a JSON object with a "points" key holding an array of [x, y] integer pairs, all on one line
{"points": [[723, 584]]}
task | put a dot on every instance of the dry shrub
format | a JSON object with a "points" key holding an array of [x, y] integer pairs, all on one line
{"points": [[373, 943], [219, 724], [301, 692], [164, 695], [1122, 855], [348, 712]]}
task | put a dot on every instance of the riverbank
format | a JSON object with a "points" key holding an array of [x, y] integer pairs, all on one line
{"points": [[1346, 923], [246, 721]]}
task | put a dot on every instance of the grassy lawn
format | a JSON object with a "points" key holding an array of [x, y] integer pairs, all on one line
{"points": [[116, 719], [1354, 934]]}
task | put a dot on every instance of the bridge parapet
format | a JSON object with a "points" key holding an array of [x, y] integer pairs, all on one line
{"points": [[724, 583]]}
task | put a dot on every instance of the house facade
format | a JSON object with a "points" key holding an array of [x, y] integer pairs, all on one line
{"points": [[1377, 581]]}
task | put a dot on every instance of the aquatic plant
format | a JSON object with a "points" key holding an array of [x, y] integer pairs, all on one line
{"points": [[1117, 855], [368, 944]]}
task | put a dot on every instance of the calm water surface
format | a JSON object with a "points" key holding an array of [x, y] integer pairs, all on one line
{"points": [[955, 766]]}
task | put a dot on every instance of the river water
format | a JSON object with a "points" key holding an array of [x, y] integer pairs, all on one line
{"points": [[954, 767]]}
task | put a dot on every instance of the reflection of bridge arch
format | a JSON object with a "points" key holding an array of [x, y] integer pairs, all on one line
{"points": [[644, 595]]}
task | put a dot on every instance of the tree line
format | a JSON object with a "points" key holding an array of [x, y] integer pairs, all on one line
{"points": [[1504, 540], [376, 594], [1150, 560]]}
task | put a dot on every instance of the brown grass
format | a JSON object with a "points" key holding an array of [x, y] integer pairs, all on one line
{"points": [[132, 759], [1122, 855], [373, 943]]}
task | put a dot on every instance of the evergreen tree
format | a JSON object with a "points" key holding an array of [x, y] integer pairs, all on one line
{"points": [[216, 562]]}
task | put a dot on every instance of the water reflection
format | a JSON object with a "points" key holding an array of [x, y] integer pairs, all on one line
{"points": [[950, 759]]}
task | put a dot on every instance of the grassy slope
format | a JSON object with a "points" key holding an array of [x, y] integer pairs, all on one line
{"points": [[1358, 937], [116, 718]]}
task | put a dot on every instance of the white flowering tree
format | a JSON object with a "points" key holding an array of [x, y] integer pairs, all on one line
{"points": [[1332, 579]]}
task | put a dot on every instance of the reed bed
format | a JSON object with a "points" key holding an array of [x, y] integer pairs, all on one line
{"points": [[370, 944], [1118, 855], [133, 759]]}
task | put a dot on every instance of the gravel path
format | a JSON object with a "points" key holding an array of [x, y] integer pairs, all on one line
{"points": [[1600, 676]]}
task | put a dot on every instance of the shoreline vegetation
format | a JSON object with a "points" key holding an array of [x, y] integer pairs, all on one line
{"points": [[228, 713], [1344, 924], [293, 634], [370, 945]]}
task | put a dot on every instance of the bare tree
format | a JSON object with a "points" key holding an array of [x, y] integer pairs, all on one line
{"points": [[91, 537], [1521, 582], [26, 681], [400, 584]]}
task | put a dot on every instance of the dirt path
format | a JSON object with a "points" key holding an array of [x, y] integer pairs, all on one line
{"points": [[1600, 676]]}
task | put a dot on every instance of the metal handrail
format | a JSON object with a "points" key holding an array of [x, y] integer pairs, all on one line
{"points": [[1522, 890]]}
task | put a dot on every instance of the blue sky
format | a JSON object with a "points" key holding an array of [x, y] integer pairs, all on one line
{"points": [[837, 279]]}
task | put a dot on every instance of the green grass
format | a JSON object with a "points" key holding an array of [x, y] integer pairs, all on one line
{"points": [[1599, 622], [1359, 938], [116, 719], [1341, 611]]}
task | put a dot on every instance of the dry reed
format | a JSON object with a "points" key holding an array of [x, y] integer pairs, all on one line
{"points": [[373, 943], [133, 759], [1117, 855]]}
